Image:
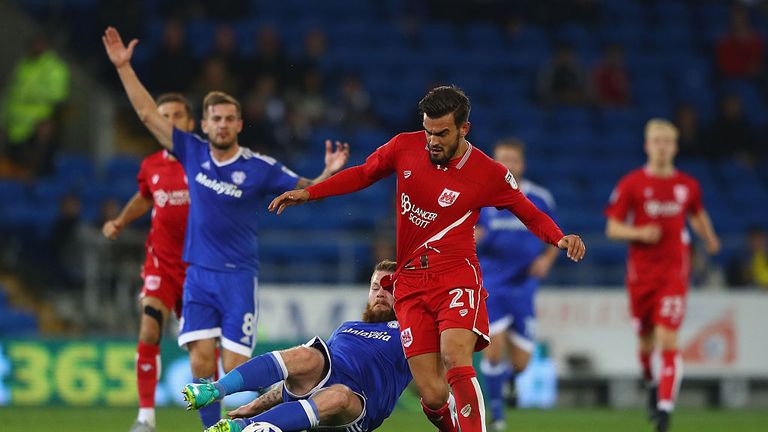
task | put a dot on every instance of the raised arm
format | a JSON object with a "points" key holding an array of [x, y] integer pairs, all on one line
{"points": [[136, 207], [334, 161], [142, 101], [702, 226]]}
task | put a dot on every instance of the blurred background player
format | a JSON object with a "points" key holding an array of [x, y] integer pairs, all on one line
{"points": [[162, 188], [442, 182], [513, 261], [352, 382], [227, 185], [648, 208]]}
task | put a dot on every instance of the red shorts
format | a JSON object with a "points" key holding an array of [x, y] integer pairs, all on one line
{"points": [[658, 300], [164, 282], [427, 302]]}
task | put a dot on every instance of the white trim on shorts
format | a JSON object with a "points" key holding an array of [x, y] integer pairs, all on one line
{"points": [[522, 342], [235, 347], [479, 299], [352, 426], [500, 325], [327, 355], [196, 335]]}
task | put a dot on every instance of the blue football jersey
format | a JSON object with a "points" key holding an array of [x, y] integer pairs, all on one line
{"points": [[371, 355], [222, 227], [507, 249]]}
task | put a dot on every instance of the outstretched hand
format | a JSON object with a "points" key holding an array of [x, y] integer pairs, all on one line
{"points": [[336, 159], [118, 53], [574, 247], [287, 199]]}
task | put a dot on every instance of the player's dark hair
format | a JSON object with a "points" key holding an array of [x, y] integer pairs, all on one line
{"points": [[444, 100], [175, 97], [219, 98], [386, 266], [512, 143]]}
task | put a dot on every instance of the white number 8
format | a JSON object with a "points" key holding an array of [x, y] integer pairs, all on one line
{"points": [[248, 324]]}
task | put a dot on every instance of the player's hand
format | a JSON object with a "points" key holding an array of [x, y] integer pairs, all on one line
{"points": [[111, 229], [574, 247], [540, 267], [650, 234], [247, 410], [118, 54], [712, 245], [287, 199], [335, 159]]}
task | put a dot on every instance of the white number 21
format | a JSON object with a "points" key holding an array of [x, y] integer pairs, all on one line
{"points": [[457, 293]]}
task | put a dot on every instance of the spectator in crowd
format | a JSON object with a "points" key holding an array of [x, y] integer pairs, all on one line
{"points": [[172, 67], [308, 100], [562, 81], [269, 59], [63, 245], [225, 49], [214, 76], [610, 80], [29, 112], [690, 141], [261, 110], [353, 105], [732, 135], [740, 52], [751, 268], [315, 48]]}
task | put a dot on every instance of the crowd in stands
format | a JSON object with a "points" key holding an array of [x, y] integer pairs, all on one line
{"points": [[575, 79]]}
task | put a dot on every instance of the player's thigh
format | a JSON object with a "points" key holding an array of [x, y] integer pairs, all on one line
{"points": [[202, 357], [231, 360], [495, 350], [237, 300], [457, 346], [642, 304], [428, 373], [667, 338], [306, 367], [419, 333], [338, 405], [519, 357]]}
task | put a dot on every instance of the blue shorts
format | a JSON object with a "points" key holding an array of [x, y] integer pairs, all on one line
{"points": [[339, 374], [512, 309], [220, 305]]}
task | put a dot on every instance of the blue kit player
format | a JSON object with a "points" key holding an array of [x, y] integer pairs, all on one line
{"points": [[513, 261], [227, 185], [351, 382]]}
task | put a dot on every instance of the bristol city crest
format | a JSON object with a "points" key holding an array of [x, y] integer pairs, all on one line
{"points": [[447, 198], [406, 337], [681, 193]]}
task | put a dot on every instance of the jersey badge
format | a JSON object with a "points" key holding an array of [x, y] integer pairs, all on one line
{"points": [[509, 178], [681, 193], [238, 177], [406, 337], [447, 198], [393, 324], [155, 178], [406, 173]]}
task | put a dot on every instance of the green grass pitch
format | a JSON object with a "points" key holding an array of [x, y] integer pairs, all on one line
{"points": [[61, 419]]}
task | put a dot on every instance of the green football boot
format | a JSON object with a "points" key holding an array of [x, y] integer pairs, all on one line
{"points": [[225, 425], [200, 395]]}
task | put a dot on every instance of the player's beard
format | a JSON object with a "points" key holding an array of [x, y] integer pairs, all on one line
{"points": [[221, 145], [377, 315], [449, 153]]}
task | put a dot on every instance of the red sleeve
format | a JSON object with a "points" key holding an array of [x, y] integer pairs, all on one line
{"points": [[696, 204], [141, 179], [505, 193], [619, 202], [379, 164]]}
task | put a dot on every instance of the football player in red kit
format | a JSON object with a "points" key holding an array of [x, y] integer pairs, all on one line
{"points": [[648, 208], [162, 188], [442, 182]]}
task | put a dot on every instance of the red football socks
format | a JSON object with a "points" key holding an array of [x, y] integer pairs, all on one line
{"points": [[645, 364], [147, 373], [469, 398], [440, 417], [669, 381]]}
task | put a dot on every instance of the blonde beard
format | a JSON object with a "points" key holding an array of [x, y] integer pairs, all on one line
{"points": [[372, 316]]}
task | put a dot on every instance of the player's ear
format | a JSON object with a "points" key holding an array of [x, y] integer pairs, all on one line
{"points": [[465, 129], [203, 125], [239, 125]]}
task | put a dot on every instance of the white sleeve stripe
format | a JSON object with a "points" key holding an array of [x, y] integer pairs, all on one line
{"points": [[313, 420]]}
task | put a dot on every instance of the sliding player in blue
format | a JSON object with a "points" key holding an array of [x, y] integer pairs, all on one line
{"points": [[352, 381]]}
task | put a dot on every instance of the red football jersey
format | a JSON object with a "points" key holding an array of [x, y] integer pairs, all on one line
{"points": [[162, 180], [642, 199], [439, 205]]}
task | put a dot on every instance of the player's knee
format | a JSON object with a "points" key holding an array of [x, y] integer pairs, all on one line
{"points": [[456, 357], [151, 325], [301, 359], [337, 399], [202, 363], [434, 394]]}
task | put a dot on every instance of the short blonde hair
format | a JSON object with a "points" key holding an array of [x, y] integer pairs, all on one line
{"points": [[219, 98], [660, 123]]}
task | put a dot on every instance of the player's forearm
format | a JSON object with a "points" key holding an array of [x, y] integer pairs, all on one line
{"points": [[136, 207], [145, 106], [550, 254], [344, 182], [270, 399], [620, 231], [702, 225], [304, 182], [537, 221]]}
